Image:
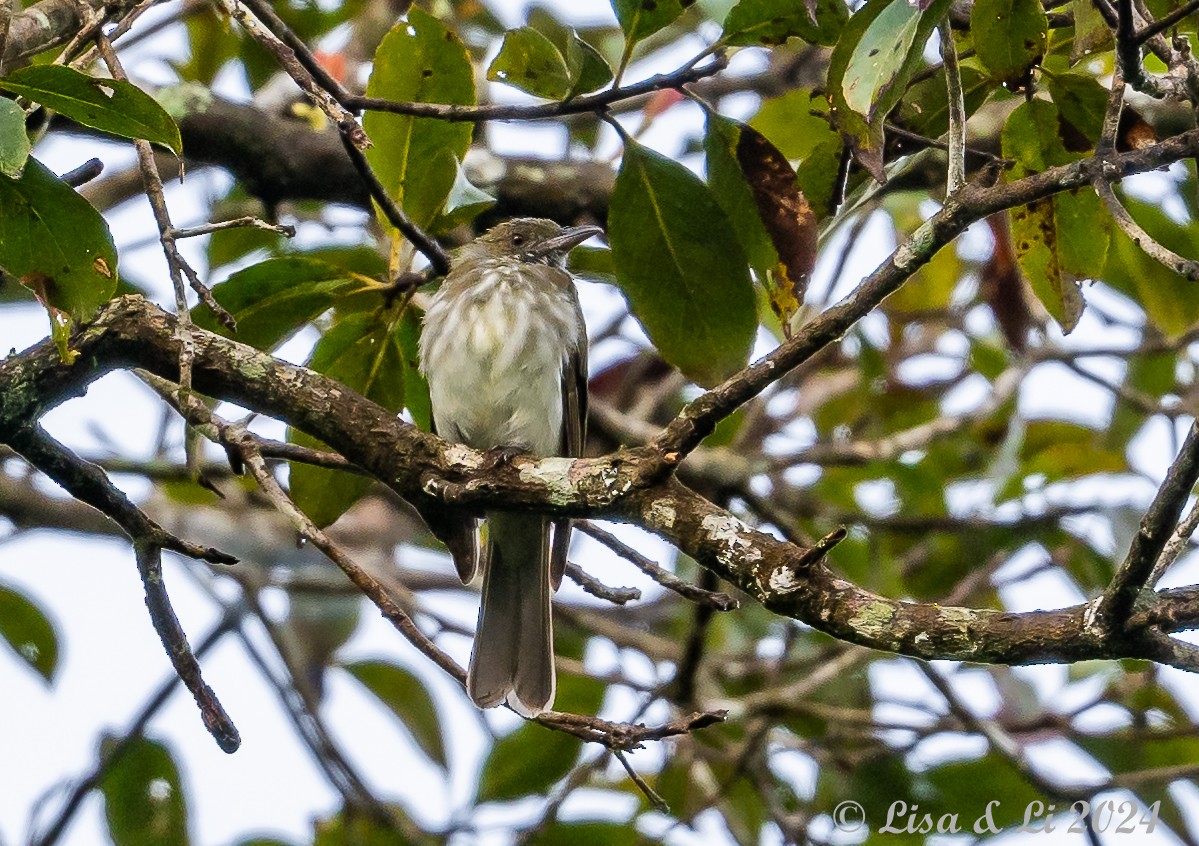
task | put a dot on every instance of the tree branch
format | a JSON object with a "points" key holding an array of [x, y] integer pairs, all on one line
{"points": [[788, 580]]}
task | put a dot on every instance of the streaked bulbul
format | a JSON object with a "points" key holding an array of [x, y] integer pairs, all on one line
{"points": [[504, 350]]}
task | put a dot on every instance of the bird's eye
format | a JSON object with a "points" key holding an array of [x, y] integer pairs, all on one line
{"points": [[518, 240]]}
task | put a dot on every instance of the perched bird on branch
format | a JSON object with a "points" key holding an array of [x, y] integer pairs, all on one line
{"points": [[504, 349]]}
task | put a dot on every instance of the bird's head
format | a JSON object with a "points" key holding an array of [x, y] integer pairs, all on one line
{"points": [[529, 239]]}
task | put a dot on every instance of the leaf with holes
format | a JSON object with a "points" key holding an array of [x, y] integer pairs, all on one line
{"points": [[25, 628], [875, 57], [529, 61], [415, 158], [109, 105], [1010, 36], [679, 263], [1061, 239]]}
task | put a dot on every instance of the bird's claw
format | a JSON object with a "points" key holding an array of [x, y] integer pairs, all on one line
{"points": [[501, 456]]}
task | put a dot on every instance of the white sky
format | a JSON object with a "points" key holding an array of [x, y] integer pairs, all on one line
{"points": [[112, 661]]}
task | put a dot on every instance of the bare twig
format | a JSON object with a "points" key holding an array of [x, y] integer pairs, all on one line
{"points": [[578, 105], [1159, 524], [149, 566], [178, 267], [1175, 545], [654, 799], [627, 736], [957, 108], [589, 583], [1162, 24], [342, 118], [438, 258], [246, 222], [668, 580]]}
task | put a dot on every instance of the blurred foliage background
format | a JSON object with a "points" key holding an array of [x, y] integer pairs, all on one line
{"points": [[990, 434]]}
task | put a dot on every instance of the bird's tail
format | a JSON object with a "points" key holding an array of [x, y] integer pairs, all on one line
{"points": [[513, 657]]}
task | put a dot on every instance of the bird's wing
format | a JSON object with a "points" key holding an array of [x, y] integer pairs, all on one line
{"points": [[574, 435], [459, 532]]}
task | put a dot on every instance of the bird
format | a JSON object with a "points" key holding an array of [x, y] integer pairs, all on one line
{"points": [[503, 348]]}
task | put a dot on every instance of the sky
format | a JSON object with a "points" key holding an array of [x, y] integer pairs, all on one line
{"points": [[112, 661]]}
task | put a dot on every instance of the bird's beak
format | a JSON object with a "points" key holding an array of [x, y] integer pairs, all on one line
{"points": [[568, 239]]}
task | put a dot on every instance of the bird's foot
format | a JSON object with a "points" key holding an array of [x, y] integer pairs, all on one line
{"points": [[501, 456]]}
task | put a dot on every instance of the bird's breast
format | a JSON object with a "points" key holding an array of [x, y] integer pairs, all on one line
{"points": [[493, 356]]}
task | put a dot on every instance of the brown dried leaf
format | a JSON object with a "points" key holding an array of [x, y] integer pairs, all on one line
{"points": [[787, 217], [1002, 287]]}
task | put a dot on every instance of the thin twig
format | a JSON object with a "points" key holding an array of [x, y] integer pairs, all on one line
{"points": [[342, 118], [668, 580], [1175, 545], [149, 566], [579, 105], [654, 799], [1162, 24], [1159, 524], [593, 586], [438, 258], [178, 267], [247, 222], [627, 736], [956, 176], [278, 27]]}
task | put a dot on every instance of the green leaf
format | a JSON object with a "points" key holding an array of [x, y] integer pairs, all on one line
{"points": [[681, 267], [733, 193], [416, 158], [144, 802], [757, 189], [588, 68], [642, 18], [586, 833], [14, 142], [465, 202], [1091, 32], [771, 22], [362, 352], [875, 57], [109, 105], [526, 762], [25, 628], [879, 56], [1009, 35], [925, 106], [55, 239], [1168, 298], [271, 300], [1081, 100], [529, 61], [1060, 239], [405, 695]]}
